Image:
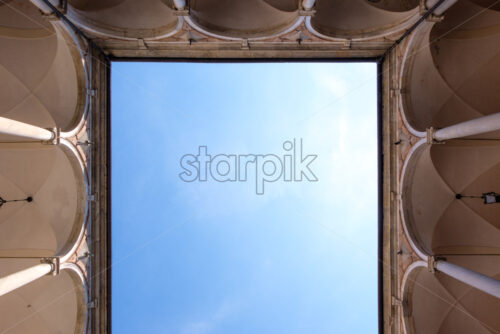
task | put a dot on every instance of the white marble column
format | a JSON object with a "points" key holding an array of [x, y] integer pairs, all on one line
{"points": [[25, 131], [473, 127], [479, 281], [44, 7], [180, 4], [442, 8], [23, 277], [308, 4]]}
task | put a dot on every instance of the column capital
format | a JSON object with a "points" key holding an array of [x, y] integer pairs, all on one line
{"points": [[432, 263], [307, 12], [431, 136], [55, 262], [182, 12], [56, 137]]}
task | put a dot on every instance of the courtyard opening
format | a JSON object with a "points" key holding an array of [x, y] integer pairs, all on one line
{"points": [[244, 197]]}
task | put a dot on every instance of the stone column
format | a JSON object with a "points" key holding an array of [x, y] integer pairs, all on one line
{"points": [[26, 131], [479, 281], [180, 4], [308, 4], [25, 276], [441, 8], [44, 7], [473, 127]]}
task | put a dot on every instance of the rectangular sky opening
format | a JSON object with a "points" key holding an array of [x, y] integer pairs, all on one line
{"points": [[244, 197]]}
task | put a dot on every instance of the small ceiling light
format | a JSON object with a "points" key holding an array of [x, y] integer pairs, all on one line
{"points": [[489, 198], [28, 199]]}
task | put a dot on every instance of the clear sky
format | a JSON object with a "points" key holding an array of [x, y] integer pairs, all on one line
{"points": [[216, 257]]}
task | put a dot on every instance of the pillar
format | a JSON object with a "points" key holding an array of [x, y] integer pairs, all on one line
{"points": [[28, 275], [180, 4], [308, 4], [26, 131], [479, 281], [441, 8], [42, 5], [473, 127]]}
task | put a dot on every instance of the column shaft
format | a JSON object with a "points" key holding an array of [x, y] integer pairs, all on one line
{"points": [[308, 4], [442, 8], [180, 4], [469, 128], [23, 277], [479, 281], [26, 131]]}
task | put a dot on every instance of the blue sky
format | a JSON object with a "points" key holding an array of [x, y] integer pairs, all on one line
{"points": [[215, 257]]}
